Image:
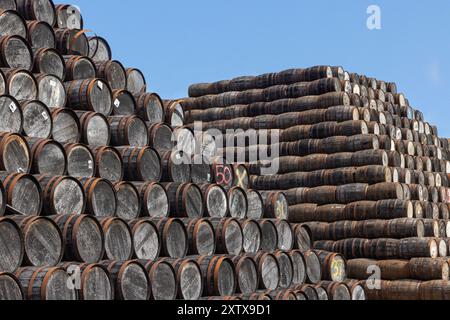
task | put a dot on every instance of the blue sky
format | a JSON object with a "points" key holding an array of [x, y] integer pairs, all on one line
{"points": [[177, 43]]}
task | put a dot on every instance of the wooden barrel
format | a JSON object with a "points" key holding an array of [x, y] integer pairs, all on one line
{"points": [[176, 167], [68, 16], [41, 10], [189, 278], [62, 195], [337, 291], [72, 42], [223, 172], [242, 176], [333, 266], [13, 24], [108, 163], [215, 200], [160, 136], [255, 297], [43, 241], [46, 283], [128, 131], [20, 84], [269, 241], [185, 140], [299, 264], [174, 113], [201, 170], [49, 157], [130, 280], [149, 107], [255, 204], [302, 235], [417, 247], [113, 72], [12, 117], [186, 200], [434, 290], [252, 236], [146, 241], [11, 245], [49, 61], [268, 270], [95, 283], [219, 275], [163, 279], [37, 122], [80, 160], [140, 164], [101, 197], [99, 49], [79, 68], [174, 237], [66, 127], [124, 103], [246, 275], [313, 267], [23, 193], [286, 266], [83, 238], [89, 95], [201, 237], [154, 199], [237, 203], [15, 53], [95, 130], [275, 205], [229, 236], [136, 83], [426, 269], [128, 200], [40, 35], [118, 239], [10, 288], [311, 292]]}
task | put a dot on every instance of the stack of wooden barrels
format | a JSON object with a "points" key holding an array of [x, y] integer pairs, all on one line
{"points": [[364, 175], [106, 194]]}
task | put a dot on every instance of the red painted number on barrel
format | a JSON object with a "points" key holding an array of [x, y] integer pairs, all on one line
{"points": [[223, 175]]}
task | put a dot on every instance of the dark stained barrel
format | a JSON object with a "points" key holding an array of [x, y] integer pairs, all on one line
{"points": [[299, 264], [229, 236], [255, 205], [219, 275], [246, 274], [333, 266], [275, 205], [40, 35], [89, 95], [68, 16], [186, 200], [128, 200], [10, 20], [130, 280], [124, 103], [202, 240], [140, 163], [66, 127], [46, 283], [237, 203], [95, 130], [286, 266], [43, 241], [49, 157], [215, 200], [79, 68], [163, 279], [189, 278], [15, 53], [149, 107], [118, 239], [252, 236], [10, 288], [160, 136], [80, 160], [11, 115], [40, 10], [62, 195], [146, 241], [128, 131], [21, 84], [174, 237], [268, 270], [72, 42], [176, 167], [99, 49], [37, 121], [108, 163], [11, 246], [49, 61], [23, 193], [269, 235], [101, 197], [83, 237], [136, 83], [154, 199]]}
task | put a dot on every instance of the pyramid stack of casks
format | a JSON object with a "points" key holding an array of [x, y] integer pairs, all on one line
{"points": [[105, 193], [361, 170]]}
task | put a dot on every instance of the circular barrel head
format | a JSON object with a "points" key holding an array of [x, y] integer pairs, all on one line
{"points": [[156, 202], [103, 199], [137, 133], [153, 108], [285, 235], [10, 288], [238, 204], [118, 240], [11, 246], [269, 272], [100, 97], [226, 277], [163, 281], [89, 239], [193, 201], [255, 205], [37, 120], [96, 284], [109, 164], [22, 85], [190, 281], [247, 275], [17, 53], [135, 81], [313, 267], [99, 49], [128, 201], [286, 269], [299, 265], [146, 241], [49, 61], [12, 24], [269, 236], [252, 236], [175, 239], [10, 114], [160, 137], [80, 161], [51, 91], [79, 68], [149, 165], [204, 238], [216, 202], [41, 35], [97, 131], [114, 73], [16, 155], [26, 196], [134, 283], [68, 16], [66, 127], [234, 238], [124, 103], [51, 160], [68, 197], [56, 288]]}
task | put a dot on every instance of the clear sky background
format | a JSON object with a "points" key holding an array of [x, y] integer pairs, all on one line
{"points": [[178, 42]]}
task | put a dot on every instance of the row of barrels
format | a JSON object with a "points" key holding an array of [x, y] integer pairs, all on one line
{"points": [[46, 241], [164, 279], [409, 290]]}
